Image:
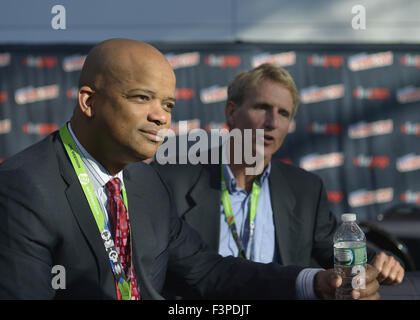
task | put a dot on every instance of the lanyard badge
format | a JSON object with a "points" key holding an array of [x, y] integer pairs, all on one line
{"points": [[256, 190], [79, 168]]}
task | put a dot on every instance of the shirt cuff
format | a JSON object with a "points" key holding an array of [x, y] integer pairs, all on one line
{"points": [[305, 284]]}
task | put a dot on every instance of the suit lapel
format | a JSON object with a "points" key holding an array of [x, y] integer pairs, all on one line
{"points": [[144, 240], [140, 226], [204, 212], [286, 224], [84, 217]]}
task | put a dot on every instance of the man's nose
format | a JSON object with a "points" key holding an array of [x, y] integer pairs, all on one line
{"points": [[158, 114], [271, 120]]}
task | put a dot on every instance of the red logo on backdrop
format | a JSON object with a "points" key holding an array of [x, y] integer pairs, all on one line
{"points": [[408, 162], [325, 128], [410, 60], [371, 161], [74, 62], [317, 94], [365, 61], [223, 61], [216, 125], [363, 130], [72, 93], [410, 197], [188, 59], [5, 126], [213, 94], [315, 161], [364, 197], [326, 61], [286, 160], [371, 93], [4, 59], [408, 94], [283, 59], [411, 128], [3, 96], [184, 93], [39, 128], [31, 94], [1, 160], [335, 196], [185, 126], [40, 62]]}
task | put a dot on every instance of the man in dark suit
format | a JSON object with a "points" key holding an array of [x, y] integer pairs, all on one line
{"points": [[293, 224], [80, 200]]}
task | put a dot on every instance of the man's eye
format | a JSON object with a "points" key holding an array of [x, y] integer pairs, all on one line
{"points": [[143, 97], [169, 105]]}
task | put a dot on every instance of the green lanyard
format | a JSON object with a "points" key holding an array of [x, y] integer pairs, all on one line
{"points": [[79, 168], [256, 190]]}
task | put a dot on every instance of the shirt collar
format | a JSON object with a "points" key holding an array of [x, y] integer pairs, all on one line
{"points": [[97, 173], [230, 180]]}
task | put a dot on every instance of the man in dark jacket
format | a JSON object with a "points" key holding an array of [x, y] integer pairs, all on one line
{"points": [[290, 223], [80, 200]]}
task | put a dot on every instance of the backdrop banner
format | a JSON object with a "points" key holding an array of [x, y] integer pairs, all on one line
{"points": [[357, 126]]}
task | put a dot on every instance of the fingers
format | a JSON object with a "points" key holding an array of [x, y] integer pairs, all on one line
{"points": [[371, 273], [375, 296], [400, 275], [396, 275], [390, 270], [379, 261], [387, 266], [370, 291], [326, 282], [334, 280]]}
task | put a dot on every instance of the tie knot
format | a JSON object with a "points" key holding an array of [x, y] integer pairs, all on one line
{"points": [[114, 187]]}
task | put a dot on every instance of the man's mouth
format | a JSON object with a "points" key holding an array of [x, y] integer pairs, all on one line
{"points": [[152, 135], [268, 139]]}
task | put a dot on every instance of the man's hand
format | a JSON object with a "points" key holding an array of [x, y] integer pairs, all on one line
{"points": [[390, 270], [326, 282]]}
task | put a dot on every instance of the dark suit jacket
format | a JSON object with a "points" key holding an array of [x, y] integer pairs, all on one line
{"points": [[45, 220], [304, 225]]}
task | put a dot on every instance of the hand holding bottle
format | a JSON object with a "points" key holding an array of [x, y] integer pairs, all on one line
{"points": [[326, 282]]}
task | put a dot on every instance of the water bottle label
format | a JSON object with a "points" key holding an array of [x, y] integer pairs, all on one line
{"points": [[350, 256]]}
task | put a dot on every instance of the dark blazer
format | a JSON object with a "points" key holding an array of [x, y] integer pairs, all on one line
{"points": [[45, 220], [304, 225]]}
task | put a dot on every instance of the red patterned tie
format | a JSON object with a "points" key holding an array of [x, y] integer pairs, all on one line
{"points": [[119, 217]]}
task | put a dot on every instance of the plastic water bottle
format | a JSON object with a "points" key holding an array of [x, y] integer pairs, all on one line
{"points": [[349, 256]]}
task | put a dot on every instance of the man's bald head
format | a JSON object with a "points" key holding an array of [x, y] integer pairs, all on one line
{"points": [[108, 61], [126, 94]]}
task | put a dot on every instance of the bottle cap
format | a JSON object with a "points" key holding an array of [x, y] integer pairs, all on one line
{"points": [[348, 217]]}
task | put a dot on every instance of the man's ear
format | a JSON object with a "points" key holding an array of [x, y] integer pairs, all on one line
{"points": [[229, 114], [85, 98]]}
